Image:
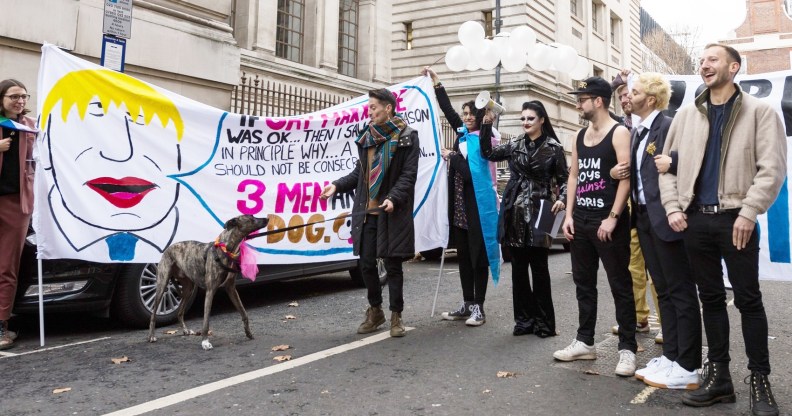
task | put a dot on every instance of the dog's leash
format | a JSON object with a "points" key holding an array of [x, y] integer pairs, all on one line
{"points": [[294, 227]]}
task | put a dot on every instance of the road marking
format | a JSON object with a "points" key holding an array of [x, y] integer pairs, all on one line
{"points": [[245, 377], [8, 354], [643, 396]]}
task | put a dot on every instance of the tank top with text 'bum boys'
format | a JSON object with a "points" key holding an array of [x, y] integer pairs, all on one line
{"points": [[596, 191]]}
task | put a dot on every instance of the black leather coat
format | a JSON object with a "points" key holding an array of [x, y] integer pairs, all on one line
{"points": [[536, 174]]}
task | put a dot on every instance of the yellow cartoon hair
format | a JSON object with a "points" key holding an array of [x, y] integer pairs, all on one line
{"points": [[80, 87]]}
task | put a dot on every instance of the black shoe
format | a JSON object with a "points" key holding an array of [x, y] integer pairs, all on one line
{"points": [[460, 314], [716, 387], [762, 401], [522, 330]]}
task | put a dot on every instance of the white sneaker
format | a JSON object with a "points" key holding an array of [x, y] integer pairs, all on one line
{"points": [[659, 337], [660, 363], [675, 377], [626, 366], [576, 351]]}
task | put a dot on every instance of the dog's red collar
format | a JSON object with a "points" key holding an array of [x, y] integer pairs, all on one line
{"points": [[222, 246]]}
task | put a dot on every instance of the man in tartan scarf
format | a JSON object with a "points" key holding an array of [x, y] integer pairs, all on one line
{"points": [[382, 221]]}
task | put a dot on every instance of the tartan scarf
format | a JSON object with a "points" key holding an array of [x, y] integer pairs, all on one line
{"points": [[375, 135]]}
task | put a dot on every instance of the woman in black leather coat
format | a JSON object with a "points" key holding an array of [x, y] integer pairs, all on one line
{"points": [[538, 169]]}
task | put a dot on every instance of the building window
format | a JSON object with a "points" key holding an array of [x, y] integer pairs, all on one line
{"points": [[289, 35], [489, 27], [573, 8], [615, 31], [347, 37], [409, 35], [595, 17]]}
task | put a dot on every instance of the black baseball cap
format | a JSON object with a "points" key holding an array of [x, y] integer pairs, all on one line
{"points": [[595, 86]]}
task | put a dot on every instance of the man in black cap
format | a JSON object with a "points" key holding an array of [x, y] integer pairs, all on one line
{"points": [[597, 225]]}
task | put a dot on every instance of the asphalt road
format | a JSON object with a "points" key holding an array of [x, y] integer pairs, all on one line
{"points": [[438, 368]]}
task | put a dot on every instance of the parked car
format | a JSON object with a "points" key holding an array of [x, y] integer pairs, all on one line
{"points": [[127, 289]]}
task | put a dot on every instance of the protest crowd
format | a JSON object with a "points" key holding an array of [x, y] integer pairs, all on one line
{"points": [[637, 191]]}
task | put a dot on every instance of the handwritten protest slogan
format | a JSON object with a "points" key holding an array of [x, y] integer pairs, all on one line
{"points": [[589, 180], [208, 166]]}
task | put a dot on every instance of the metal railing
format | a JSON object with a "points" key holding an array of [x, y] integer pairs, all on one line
{"points": [[256, 97]]}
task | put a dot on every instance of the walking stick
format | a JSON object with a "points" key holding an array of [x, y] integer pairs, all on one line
{"points": [[437, 289]]}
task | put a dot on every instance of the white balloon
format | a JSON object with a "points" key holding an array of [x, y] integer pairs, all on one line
{"points": [[473, 64], [522, 38], [486, 54], [514, 60], [457, 58], [581, 70], [502, 42], [470, 32], [565, 58], [540, 57]]}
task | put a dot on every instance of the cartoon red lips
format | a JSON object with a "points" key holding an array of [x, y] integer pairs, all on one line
{"points": [[123, 193]]}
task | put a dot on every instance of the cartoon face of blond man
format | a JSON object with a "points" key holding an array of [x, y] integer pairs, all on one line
{"points": [[112, 141]]}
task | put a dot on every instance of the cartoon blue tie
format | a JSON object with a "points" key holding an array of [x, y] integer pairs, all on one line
{"points": [[122, 246]]}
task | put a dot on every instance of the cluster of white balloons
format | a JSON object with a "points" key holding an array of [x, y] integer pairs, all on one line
{"points": [[513, 51]]}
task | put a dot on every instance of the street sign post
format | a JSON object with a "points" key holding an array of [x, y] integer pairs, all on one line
{"points": [[113, 53], [118, 18], [117, 28]]}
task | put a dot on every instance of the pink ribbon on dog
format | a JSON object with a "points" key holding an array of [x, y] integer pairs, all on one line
{"points": [[247, 262]]}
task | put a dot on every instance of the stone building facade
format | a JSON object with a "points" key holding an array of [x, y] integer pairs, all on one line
{"points": [[605, 31], [200, 48]]}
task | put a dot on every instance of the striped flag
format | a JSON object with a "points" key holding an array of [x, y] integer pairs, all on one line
{"points": [[7, 123]]}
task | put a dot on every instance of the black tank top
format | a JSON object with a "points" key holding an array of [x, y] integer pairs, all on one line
{"points": [[595, 191]]}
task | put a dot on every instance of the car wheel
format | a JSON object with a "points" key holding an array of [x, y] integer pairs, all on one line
{"points": [[357, 275], [432, 254], [134, 297]]}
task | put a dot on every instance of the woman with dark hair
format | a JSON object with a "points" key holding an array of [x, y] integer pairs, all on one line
{"points": [[539, 173], [16, 194], [469, 204]]}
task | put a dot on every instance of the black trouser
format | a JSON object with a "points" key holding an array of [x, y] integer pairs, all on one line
{"points": [[368, 267], [676, 291], [532, 308], [708, 238], [474, 279], [587, 250]]}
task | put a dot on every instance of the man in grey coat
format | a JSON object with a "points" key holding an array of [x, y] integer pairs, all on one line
{"points": [[382, 215]]}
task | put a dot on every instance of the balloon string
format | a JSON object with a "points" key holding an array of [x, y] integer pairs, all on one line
{"points": [[438, 60]]}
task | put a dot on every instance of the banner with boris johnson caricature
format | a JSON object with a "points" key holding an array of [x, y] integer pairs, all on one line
{"points": [[125, 168]]}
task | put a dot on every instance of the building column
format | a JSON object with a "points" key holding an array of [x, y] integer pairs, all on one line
{"points": [[266, 13], [374, 41]]}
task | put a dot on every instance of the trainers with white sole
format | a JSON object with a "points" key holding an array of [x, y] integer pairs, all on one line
{"points": [[626, 366], [477, 317], [577, 350], [659, 337], [660, 363], [675, 377], [460, 314], [640, 327]]}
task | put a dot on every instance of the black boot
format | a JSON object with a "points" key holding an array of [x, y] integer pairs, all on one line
{"points": [[5, 338], [762, 401], [716, 386]]}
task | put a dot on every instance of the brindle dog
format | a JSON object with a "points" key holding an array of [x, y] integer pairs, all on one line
{"points": [[206, 265]]}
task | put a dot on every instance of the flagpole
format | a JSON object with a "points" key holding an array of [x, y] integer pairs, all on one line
{"points": [[41, 301], [437, 289]]}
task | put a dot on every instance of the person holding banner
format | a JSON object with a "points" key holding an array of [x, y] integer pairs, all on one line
{"points": [[382, 215], [597, 226], [16, 194], [731, 150], [537, 167], [468, 196]]}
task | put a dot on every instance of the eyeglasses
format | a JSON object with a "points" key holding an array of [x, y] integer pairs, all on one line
{"points": [[581, 100], [529, 119], [17, 97]]}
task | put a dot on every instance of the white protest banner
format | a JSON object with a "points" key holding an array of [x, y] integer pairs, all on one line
{"points": [[126, 168], [775, 256]]}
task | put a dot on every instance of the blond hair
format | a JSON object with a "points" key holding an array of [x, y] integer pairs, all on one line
{"points": [[109, 87], [657, 86]]}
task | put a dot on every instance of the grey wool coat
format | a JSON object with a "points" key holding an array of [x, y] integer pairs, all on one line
{"points": [[395, 230]]}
